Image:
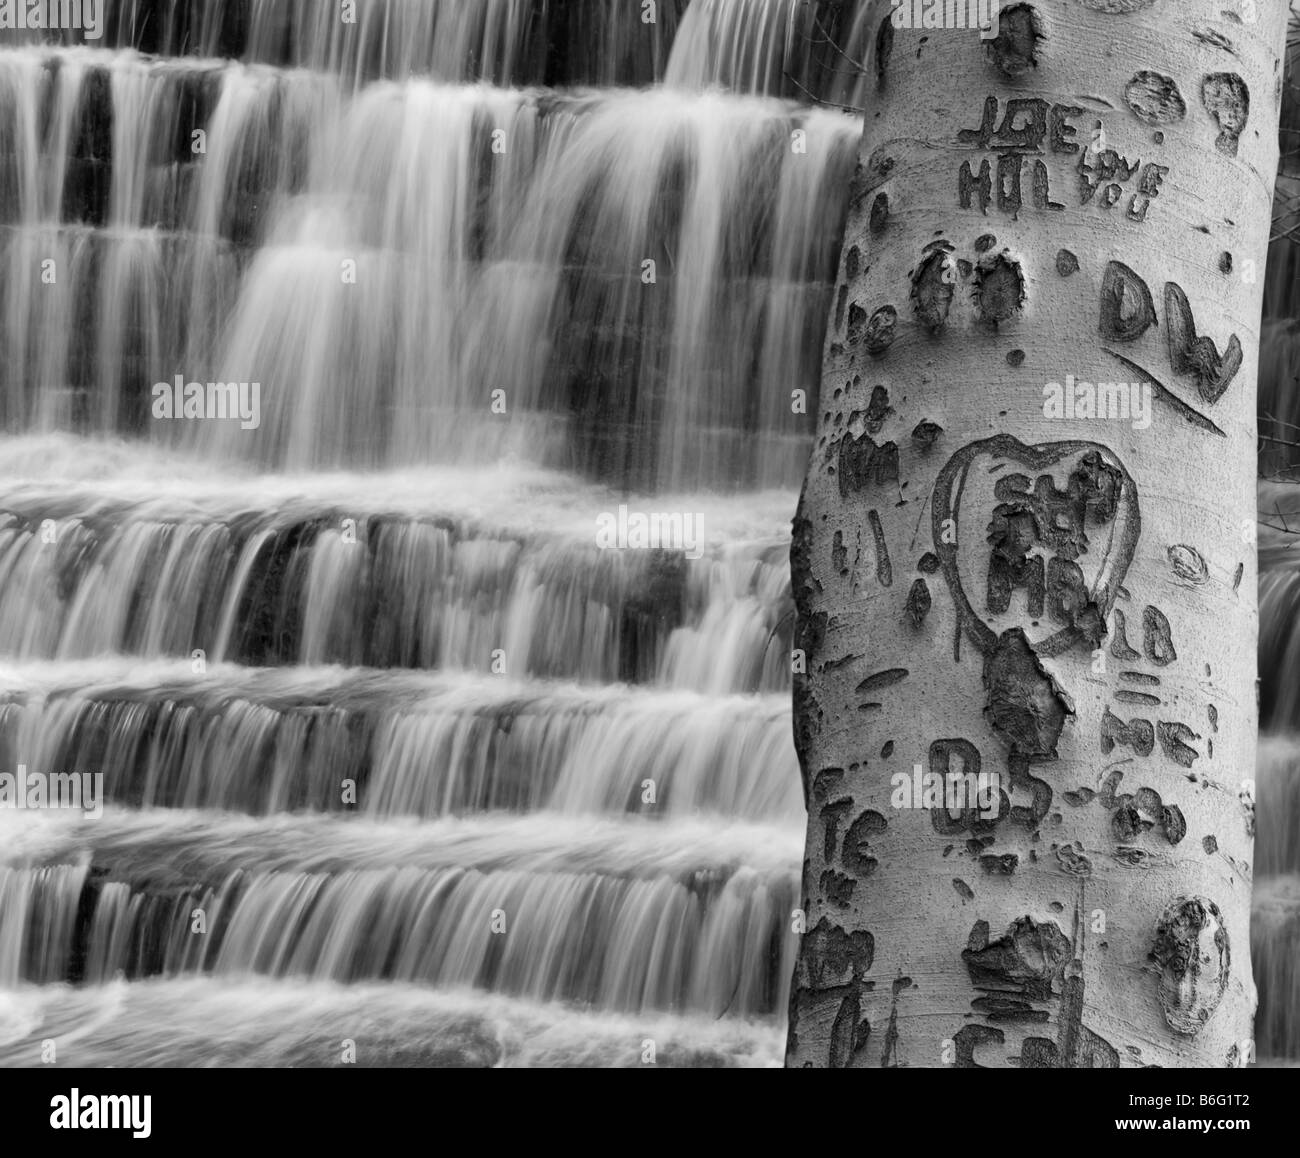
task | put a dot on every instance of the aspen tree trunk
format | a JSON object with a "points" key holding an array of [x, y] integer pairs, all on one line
{"points": [[1025, 549]]}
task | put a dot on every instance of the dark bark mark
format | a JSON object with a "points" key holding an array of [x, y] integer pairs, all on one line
{"points": [[1173, 742], [1015, 357], [1157, 640], [928, 563], [1211, 36], [1210, 845], [833, 957], [857, 324], [985, 242], [887, 750], [1137, 677], [918, 602], [878, 409], [879, 215], [963, 889], [998, 1008], [1127, 308], [1236, 579], [884, 569], [831, 815], [1015, 48], [1066, 263], [880, 331], [999, 289], [925, 433], [1117, 7], [1025, 706], [1225, 262], [1191, 949], [970, 186], [999, 865], [1138, 735], [1071, 859], [884, 49], [826, 781], [932, 290], [852, 262], [1028, 960], [856, 853], [1144, 699], [1198, 356], [882, 679], [1213, 713], [837, 888], [863, 464], [1154, 99], [844, 1031], [1226, 98], [968, 1039], [1188, 564]]}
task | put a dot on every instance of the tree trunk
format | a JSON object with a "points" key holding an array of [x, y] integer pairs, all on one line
{"points": [[1024, 556]]}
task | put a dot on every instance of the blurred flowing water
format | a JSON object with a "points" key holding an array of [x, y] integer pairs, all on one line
{"points": [[498, 267]]}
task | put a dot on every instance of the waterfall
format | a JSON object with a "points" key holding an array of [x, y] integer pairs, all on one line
{"points": [[385, 732]]}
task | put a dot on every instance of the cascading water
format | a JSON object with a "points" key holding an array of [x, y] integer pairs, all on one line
{"points": [[364, 690]]}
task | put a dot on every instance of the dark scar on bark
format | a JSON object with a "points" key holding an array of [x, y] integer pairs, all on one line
{"points": [[879, 213], [1192, 952], [882, 679], [1119, 647], [1154, 99], [963, 889], [1198, 356], [932, 290], [878, 410], [929, 563], [1213, 37], [884, 569], [1188, 564], [863, 463], [831, 815], [918, 602], [852, 262], [837, 888], [1158, 640], [1226, 98], [1015, 48], [884, 49], [925, 433], [1066, 263], [1127, 309], [1159, 390], [999, 289]]}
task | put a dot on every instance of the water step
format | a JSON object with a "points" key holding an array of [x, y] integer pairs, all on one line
{"points": [[152, 568], [396, 743], [259, 1022], [606, 941]]}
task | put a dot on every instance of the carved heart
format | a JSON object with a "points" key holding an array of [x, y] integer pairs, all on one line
{"points": [[1044, 536]]}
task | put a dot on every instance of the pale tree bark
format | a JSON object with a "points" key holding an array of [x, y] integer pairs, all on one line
{"points": [[991, 578]]}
